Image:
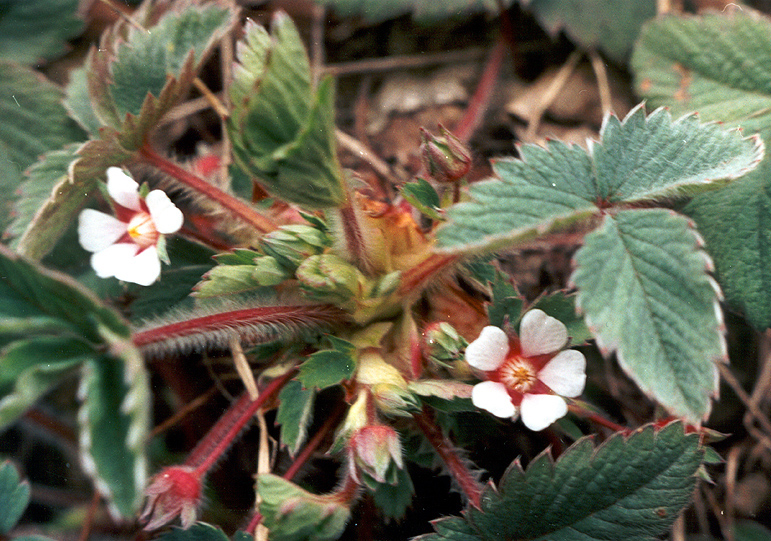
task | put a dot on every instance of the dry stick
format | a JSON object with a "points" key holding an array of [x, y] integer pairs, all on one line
{"points": [[243, 368], [762, 386], [237, 207], [226, 65], [317, 55], [186, 410], [606, 100], [678, 529], [88, 523], [359, 149], [717, 510], [731, 472], [551, 93], [263, 466], [732, 382], [211, 98]]}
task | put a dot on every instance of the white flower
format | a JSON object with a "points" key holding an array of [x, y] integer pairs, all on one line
{"points": [[529, 375], [126, 245]]}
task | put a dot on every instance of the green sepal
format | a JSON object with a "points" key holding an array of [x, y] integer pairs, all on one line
{"points": [[14, 497]]}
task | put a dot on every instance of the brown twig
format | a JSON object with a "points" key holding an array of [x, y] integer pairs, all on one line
{"points": [[422, 60]]}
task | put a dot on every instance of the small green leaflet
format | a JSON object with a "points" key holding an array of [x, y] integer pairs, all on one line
{"points": [[423, 196], [281, 128], [50, 327], [295, 411], [293, 514], [630, 488], [14, 497], [638, 159], [329, 366], [33, 30], [200, 531], [595, 24], [645, 292], [718, 64]]}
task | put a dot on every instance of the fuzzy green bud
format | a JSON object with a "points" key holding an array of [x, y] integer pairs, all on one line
{"points": [[329, 277], [442, 343], [290, 245], [445, 157], [268, 272]]}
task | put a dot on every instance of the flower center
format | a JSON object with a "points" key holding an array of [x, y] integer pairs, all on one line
{"points": [[142, 230], [517, 374]]}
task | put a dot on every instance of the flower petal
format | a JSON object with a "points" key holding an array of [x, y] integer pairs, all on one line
{"points": [[489, 350], [143, 269], [113, 259], [565, 374], [493, 397], [122, 188], [540, 410], [97, 230], [166, 216], [539, 333]]}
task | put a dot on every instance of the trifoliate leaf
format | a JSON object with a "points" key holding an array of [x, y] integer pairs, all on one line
{"points": [[282, 129], [295, 411], [595, 24], [646, 294], [200, 531], [14, 497], [424, 11], [423, 196], [35, 30], [329, 366], [34, 122], [717, 64], [638, 159], [293, 514], [736, 225], [393, 500], [72, 327], [630, 488]]}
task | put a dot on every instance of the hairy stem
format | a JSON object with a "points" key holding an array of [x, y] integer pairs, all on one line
{"points": [[222, 435], [455, 465], [416, 277], [234, 205], [314, 443]]}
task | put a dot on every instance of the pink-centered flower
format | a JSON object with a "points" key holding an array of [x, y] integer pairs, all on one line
{"points": [[128, 245], [528, 375]]}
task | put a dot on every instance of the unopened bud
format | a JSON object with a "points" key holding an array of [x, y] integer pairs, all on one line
{"points": [[290, 245], [375, 451], [442, 343], [329, 277], [267, 271], [445, 157], [175, 491]]}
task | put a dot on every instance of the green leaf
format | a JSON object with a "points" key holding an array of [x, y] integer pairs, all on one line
{"points": [[646, 294], [506, 301], [200, 531], [329, 366], [718, 64], [35, 30], [78, 102], [638, 159], [282, 130], [425, 11], [295, 411], [451, 529], [34, 122], [293, 514], [72, 327], [393, 500], [736, 225], [423, 197], [630, 488], [747, 530], [14, 497], [595, 24]]}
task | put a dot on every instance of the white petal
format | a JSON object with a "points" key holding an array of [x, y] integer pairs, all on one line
{"points": [[539, 333], [492, 396], [166, 216], [122, 188], [489, 350], [111, 260], [143, 269], [97, 230], [565, 374], [540, 410]]}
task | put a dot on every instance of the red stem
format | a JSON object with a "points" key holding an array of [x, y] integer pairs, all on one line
{"points": [[468, 484], [481, 98], [237, 207], [413, 278], [221, 436], [293, 316], [354, 242], [597, 418]]}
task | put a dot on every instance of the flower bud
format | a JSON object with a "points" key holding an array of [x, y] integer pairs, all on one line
{"points": [[329, 277], [290, 245], [176, 490], [445, 158], [268, 272], [375, 450], [442, 344], [387, 385]]}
